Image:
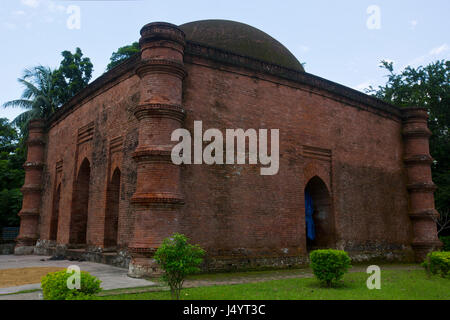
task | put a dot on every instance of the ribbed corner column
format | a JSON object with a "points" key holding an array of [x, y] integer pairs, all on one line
{"points": [[32, 189], [420, 186], [158, 197]]}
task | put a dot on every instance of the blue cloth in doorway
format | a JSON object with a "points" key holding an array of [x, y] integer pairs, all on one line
{"points": [[309, 210]]}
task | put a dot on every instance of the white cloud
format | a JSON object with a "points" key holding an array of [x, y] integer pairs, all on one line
{"points": [[19, 13], [53, 7], [362, 86], [434, 53], [30, 3], [39, 11], [304, 48], [9, 25], [413, 24], [48, 19], [438, 50]]}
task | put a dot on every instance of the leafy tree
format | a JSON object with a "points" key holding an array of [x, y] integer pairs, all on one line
{"points": [[428, 87], [178, 259], [11, 174], [38, 97], [122, 54], [46, 90], [72, 75], [8, 136]]}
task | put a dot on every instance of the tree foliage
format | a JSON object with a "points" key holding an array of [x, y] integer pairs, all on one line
{"points": [[428, 87], [122, 54], [38, 96], [45, 90], [55, 286], [72, 75], [11, 174], [329, 265], [178, 259]]}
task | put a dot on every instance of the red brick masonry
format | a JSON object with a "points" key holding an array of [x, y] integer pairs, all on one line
{"points": [[99, 173]]}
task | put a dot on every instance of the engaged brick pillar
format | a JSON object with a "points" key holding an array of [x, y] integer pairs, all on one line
{"points": [[31, 190], [421, 188], [158, 198]]}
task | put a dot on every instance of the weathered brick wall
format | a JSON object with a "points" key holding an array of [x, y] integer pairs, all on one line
{"points": [[107, 146], [232, 209]]}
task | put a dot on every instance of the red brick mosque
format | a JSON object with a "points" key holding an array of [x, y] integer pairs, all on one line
{"points": [[100, 181]]}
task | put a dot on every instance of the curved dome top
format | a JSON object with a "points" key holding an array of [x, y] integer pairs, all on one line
{"points": [[242, 39]]}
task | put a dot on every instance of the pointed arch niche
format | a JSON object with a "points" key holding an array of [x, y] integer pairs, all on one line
{"points": [[80, 204]]}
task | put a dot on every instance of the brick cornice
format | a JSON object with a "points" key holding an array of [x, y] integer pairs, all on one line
{"points": [[418, 160], [414, 114], [36, 124], [109, 78], [424, 214], [161, 66], [159, 110], [416, 132], [195, 49], [33, 166], [157, 198], [155, 154], [28, 213], [31, 188], [36, 142], [230, 58], [156, 31], [421, 187]]}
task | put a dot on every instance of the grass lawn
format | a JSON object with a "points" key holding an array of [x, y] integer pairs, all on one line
{"points": [[395, 284]]}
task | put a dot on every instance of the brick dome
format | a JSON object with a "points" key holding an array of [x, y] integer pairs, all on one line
{"points": [[242, 39]]}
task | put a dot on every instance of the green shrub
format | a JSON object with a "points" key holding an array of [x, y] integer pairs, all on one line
{"points": [[329, 265], [178, 259], [54, 286], [446, 242], [438, 262]]}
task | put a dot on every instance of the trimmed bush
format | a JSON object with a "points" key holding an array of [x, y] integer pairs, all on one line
{"points": [[329, 265], [178, 259], [438, 262], [54, 286], [446, 241]]}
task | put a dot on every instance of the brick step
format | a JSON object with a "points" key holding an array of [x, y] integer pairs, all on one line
{"points": [[109, 257]]}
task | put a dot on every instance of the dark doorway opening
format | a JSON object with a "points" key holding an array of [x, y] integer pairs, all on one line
{"points": [[80, 205], [112, 210], [322, 216]]}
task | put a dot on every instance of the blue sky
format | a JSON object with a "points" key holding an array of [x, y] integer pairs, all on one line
{"points": [[342, 41]]}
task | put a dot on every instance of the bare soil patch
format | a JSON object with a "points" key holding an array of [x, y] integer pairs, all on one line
{"points": [[21, 276]]}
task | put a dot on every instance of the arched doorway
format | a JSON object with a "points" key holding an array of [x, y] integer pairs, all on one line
{"points": [[319, 219], [80, 205], [55, 214], [112, 210]]}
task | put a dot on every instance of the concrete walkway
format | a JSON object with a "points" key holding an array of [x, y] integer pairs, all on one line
{"points": [[111, 277]]}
